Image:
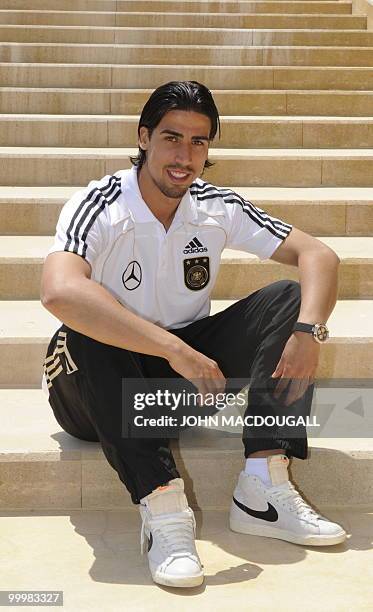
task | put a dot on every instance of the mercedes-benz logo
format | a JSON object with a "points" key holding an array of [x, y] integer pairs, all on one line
{"points": [[132, 276]]}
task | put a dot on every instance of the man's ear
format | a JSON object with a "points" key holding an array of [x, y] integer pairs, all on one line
{"points": [[143, 137]]}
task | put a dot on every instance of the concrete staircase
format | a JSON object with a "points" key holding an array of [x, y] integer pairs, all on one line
{"points": [[294, 85]]}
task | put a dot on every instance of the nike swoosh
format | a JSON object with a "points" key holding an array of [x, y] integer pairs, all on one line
{"points": [[270, 515], [150, 541]]}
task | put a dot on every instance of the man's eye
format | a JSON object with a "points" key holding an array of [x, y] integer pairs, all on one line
{"points": [[171, 138], [198, 142]]}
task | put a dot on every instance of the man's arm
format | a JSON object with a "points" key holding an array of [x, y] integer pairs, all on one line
{"points": [[318, 274], [68, 292]]}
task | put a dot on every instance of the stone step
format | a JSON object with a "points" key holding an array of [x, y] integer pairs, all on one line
{"points": [[215, 77], [43, 467], [355, 276], [27, 328], [335, 211], [232, 102], [57, 53], [187, 6], [158, 19], [121, 130], [257, 167], [99, 564], [183, 36], [21, 260], [31, 472]]}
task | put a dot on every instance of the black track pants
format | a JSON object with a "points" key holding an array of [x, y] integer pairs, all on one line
{"points": [[84, 378]]}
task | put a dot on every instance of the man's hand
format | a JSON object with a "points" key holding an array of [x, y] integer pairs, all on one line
{"points": [[299, 361], [200, 370]]}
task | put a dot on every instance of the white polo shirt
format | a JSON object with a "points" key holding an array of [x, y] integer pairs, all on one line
{"points": [[164, 277]]}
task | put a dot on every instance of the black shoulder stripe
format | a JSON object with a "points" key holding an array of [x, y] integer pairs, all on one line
{"points": [[202, 189], [104, 200], [207, 191], [199, 185], [205, 188], [87, 212], [94, 217], [212, 196], [91, 198], [278, 228], [81, 206]]}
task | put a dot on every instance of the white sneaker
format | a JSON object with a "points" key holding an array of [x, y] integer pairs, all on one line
{"points": [[169, 526], [278, 510]]}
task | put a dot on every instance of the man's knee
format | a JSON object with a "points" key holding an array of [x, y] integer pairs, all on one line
{"points": [[288, 287], [292, 297], [286, 301]]}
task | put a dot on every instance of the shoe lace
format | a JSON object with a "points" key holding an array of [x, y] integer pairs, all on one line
{"points": [[295, 501], [174, 532]]}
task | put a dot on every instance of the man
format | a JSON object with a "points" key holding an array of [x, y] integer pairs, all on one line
{"points": [[130, 274]]}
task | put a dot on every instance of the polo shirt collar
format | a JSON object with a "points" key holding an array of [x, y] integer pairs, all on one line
{"points": [[141, 213]]}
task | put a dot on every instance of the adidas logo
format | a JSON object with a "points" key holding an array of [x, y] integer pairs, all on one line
{"points": [[194, 246]]}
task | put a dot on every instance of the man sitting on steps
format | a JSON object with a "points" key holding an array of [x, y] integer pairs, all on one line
{"points": [[130, 275]]}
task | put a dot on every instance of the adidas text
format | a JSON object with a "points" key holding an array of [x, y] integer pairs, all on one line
{"points": [[191, 251]]}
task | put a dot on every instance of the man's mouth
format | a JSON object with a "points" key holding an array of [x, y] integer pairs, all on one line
{"points": [[177, 176]]}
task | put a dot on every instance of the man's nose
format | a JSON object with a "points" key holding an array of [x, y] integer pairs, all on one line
{"points": [[184, 153]]}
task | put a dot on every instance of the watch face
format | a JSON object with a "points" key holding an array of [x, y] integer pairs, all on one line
{"points": [[321, 332]]}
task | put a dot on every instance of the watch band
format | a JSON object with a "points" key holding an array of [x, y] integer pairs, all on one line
{"points": [[319, 331], [304, 327]]}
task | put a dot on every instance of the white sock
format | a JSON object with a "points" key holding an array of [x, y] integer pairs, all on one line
{"points": [[272, 470], [167, 498], [258, 466]]}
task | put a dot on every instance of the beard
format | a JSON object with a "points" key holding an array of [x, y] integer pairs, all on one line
{"points": [[170, 191]]}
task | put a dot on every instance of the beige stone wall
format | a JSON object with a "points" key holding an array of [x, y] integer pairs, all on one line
{"points": [[364, 7]]}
